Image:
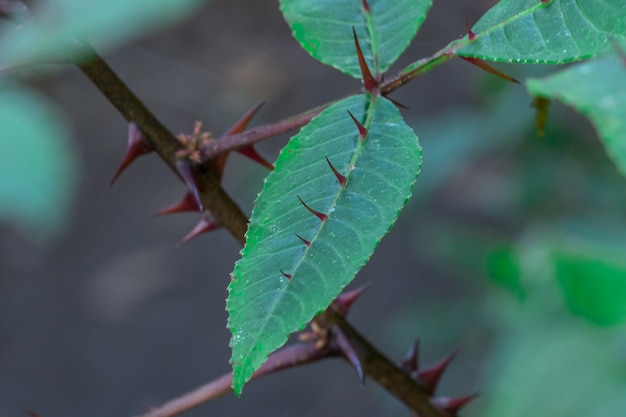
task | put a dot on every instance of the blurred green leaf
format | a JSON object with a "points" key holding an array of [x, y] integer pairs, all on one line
{"points": [[37, 164], [58, 25], [598, 90], [324, 29], [555, 32]]}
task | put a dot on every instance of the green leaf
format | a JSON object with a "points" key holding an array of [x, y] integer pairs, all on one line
{"points": [[265, 306], [324, 29], [37, 164], [597, 89], [558, 31], [52, 35]]}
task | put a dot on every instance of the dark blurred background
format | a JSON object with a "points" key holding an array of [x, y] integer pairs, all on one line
{"points": [[113, 316]]}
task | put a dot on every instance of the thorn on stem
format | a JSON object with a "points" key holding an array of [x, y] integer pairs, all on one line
{"points": [[369, 81], [471, 35], [188, 203], [321, 216], [362, 130], [430, 377], [344, 301], [347, 350], [252, 153], [452, 405], [340, 178], [243, 122], [188, 175], [138, 145], [410, 363], [397, 103], [205, 225], [485, 67]]}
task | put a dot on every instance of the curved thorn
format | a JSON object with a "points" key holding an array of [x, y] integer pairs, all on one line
{"points": [[286, 275], [188, 203], [188, 175], [252, 153], [369, 81], [340, 178], [485, 67], [137, 146], [410, 363], [321, 216], [243, 122], [345, 347], [471, 35], [344, 301], [205, 225], [306, 242], [362, 130], [430, 377], [366, 6]]}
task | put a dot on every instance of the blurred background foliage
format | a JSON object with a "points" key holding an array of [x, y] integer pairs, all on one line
{"points": [[511, 248]]}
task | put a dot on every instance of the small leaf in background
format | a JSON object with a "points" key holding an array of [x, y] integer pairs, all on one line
{"points": [[52, 34], [554, 32], [597, 89], [37, 164], [324, 29], [310, 233]]}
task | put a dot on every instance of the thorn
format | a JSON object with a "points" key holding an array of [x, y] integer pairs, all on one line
{"points": [[243, 122], [188, 175], [319, 215], [288, 276], [397, 103], [545, 1], [471, 35], [410, 363], [368, 80], [366, 7], [430, 377], [137, 146], [252, 153], [340, 178], [205, 225], [344, 301], [484, 66], [188, 203], [347, 350], [362, 130], [306, 242], [541, 104], [452, 405]]}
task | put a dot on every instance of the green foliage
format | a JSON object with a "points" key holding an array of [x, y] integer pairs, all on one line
{"points": [[598, 90], [555, 32], [265, 306], [324, 29], [37, 164]]}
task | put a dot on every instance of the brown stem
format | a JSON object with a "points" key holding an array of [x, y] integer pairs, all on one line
{"points": [[214, 198], [295, 355]]}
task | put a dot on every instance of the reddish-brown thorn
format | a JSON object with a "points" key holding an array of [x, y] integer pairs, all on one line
{"points": [[397, 103], [485, 67], [347, 350], [430, 377], [188, 175], [545, 1], [188, 203], [288, 276], [306, 242], [243, 122], [252, 153], [410, 362], [340, 178], [452, 405], [471, 35], [138, 145], [369, 81], [319, 215], [344, 301], [205, 225], [366, 6], [362, 130]]}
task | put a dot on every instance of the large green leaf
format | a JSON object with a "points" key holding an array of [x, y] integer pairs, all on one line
{"points": [[558, 31], [51, 36], [598, 90], [264, 305], [37, 164], [324, 29]]}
